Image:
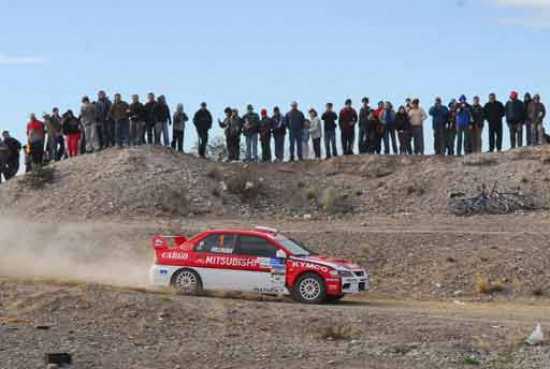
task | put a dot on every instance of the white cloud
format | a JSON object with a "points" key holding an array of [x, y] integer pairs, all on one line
{"points": [[527, 4], [532, 22], [23, 60], [531, 13]]}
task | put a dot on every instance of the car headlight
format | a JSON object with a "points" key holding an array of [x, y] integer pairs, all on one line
{"points": [[341, 273]]}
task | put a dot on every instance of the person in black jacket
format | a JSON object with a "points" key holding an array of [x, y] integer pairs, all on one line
{"points": [[147, 136], [203, 123], [404, 131], [137, 121], [515, 116], [329, 119], [527, 100], [279, 133], [163, 119], [9, 166], [494, 112]]}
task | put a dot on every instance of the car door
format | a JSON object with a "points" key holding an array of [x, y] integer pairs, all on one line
{"points": [[269, 274]]}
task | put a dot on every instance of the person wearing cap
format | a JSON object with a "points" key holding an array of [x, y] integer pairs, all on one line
{"points": [[440, 116], [163, 119], [279, 133], [417, 116], [316, 132], [10, 163], [494, 112], [515, 116], [251, 132], [203, 123], [295, 121], [527, 100], [265, 130], [365, 132], [476, 127], [178, 128], [329, 119], [88, 118], [35, 140], [347, 119], [536, 113], [463, 121]]}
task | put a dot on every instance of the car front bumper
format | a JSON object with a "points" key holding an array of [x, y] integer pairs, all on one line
{"points": [[356, 284]]}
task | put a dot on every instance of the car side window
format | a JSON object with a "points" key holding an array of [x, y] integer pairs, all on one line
{"points": [[256, 246], [217, 243]]}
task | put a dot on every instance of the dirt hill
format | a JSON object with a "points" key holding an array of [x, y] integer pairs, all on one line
{"points": [[155, 182]]}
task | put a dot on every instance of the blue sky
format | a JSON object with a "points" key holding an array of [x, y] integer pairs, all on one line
{"points": [[243, 51]]}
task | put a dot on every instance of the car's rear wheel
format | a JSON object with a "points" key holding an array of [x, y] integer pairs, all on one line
{"points": [[187, 282], [309, 288]]}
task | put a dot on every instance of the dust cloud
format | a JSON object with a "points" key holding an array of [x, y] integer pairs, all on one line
{"points": [[104, 253]]}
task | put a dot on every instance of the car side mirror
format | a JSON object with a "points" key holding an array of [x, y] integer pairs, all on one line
{"points": [[280, 254]]}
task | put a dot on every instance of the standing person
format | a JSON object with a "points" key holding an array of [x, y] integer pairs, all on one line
{"points": [[404, 131], [316, 132], [137, 121], [450, 128], [224, 124], [514, 118], [11, 165], [364, 129], [375, 132], [305, 139], [163, 119], [35, 139], [494, 112], [417, 116], [88, 118], [478, 118], [329, 118], [463, 121], [536, 113], [59, 148], [279, 133], [203, 123], [251, 132], [387, 118], [53, 130], [440, 116], [72, 129], [178, 128], [148, 135], [379, 109], [106, 126], [347, 119], [527, 100], [295, 121], [120, 112], [265, 129], [408, 104]]}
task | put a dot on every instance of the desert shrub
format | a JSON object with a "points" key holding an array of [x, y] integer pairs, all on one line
{"points": [[244, 183], [541, 287], [485, 286], [471, 360], [39, 177], [334, 333], [173, 202], [329, 199], [214, 173], [310, 193]]}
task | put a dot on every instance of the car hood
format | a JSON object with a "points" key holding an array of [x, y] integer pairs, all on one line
{"points": [[327, 261]]}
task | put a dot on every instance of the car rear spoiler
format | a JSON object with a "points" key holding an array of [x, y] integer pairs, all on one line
{"points": [[160, 242]]}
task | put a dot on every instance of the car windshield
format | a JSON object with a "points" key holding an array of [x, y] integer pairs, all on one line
{"points": [[293, 246]]}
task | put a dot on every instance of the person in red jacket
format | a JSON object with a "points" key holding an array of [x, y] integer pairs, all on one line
{"points": [[347, 119], [35, 139]]}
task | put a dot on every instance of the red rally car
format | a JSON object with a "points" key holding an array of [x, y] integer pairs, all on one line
{"points": [[260, 260]]}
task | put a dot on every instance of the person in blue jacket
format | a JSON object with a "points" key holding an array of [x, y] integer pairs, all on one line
{"points": [[440, 116], [463, 121]]}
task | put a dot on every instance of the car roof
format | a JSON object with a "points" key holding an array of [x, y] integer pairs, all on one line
{"points": [[261, 232]]}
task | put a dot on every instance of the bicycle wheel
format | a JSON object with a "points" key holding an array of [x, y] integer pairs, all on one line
{"points": [[457, 207], [497, 206]]}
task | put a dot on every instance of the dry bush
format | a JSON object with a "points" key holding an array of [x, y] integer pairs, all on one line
{"points": [[485, 286], [244, 183], [39, 177], [334, 333], [172, 202], [310, 193], [479, 160], [541, 287], [214, 173]]}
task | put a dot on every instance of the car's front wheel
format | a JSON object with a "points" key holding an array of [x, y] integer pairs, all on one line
{"points": [[187, 282], [309, 288]]}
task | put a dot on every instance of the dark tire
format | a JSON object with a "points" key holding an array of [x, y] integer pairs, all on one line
{"points": [[187, 282], [309, 288], [457, 207], [334, 298]]}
